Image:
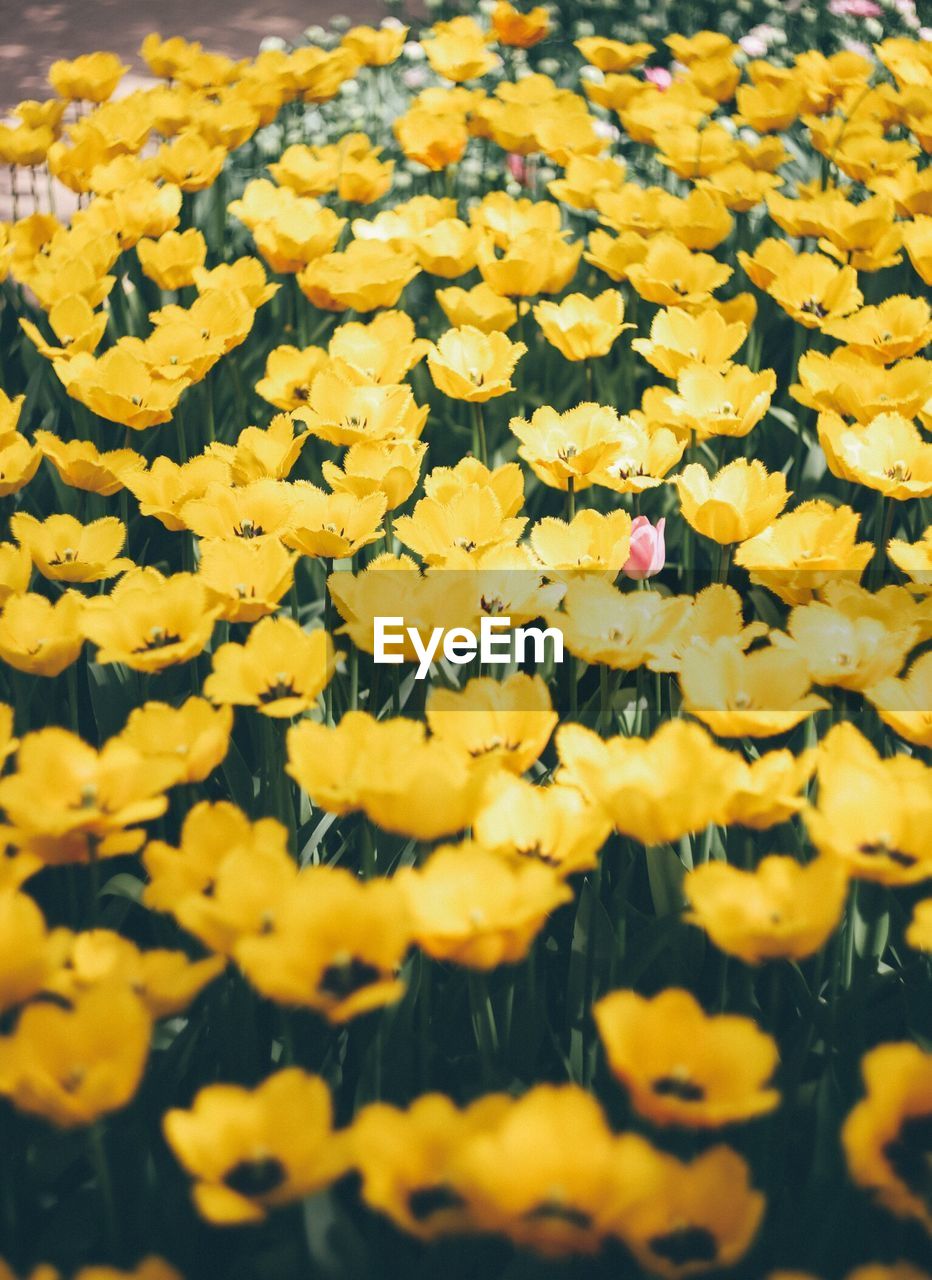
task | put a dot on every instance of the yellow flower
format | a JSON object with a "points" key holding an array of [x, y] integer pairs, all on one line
{"points": [[574, 445], [680, 1219], [82, 466], [150, 622], [478, 308], [19, 462], [290, 231], [89, 78], [72, 1065], [769, 107], [468, 364], [457, 50], [382, 351], [715, 402], [872, 815], [534, 261], [28, 950], [812, 289], [801, 551], [144, 209], [470, 522], [586, 178], [682, 1066], [590, 541], [769, 791], [337, 946], [734, 504], [388, 468], [917, 240], [919, 933], [289, 374], [506, 482], [191, 739], [226, 880], [245, 275], [375, 46], [404, 1159], [644, 454], [165, 981], [40, 637], [714, 613], [163, 490], [679, 339], [432, 138], [782, 909], [673, 276], [343, 410], [245, 1150], [474, 908], [510, 720], [581, 327], [756, 694], [601, 624], [10, 410], [906, 704], [65, 550], [887, 454], [258, 510], [613, 55], [894, 330], [119, 386], [447, 249], [190, 162], [695, 151], [96, 797], [331, 765], [76, 325], [172, 259], [281, 669], [365, 276], [553, 825], [853, 638], [914, 558], [246, 578], [884, 1135], [333, 525], [543, 1176], [647, 786], [521, 30]]}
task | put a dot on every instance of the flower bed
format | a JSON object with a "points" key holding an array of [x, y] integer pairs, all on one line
{"points": [[466, 689]]}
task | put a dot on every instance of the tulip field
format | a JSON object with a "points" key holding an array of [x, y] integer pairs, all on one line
{"points": [[466, 657]]}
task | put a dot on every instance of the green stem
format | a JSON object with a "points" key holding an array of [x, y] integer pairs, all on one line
{"points": [[479, 428], [483, 1020], [98, 1153], [724, 562]]}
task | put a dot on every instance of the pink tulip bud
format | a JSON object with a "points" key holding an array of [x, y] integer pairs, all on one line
{"points": [[660, 77], [648, 552], [517, 167]]}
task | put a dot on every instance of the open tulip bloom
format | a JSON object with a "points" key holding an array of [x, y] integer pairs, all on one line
{"points": [[465, 673]]}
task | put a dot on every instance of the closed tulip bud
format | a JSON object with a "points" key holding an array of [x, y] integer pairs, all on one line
{"points": [[648, 550]]}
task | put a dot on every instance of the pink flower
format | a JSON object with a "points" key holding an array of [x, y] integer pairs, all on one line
{"points": [[660, 77], [753, 45], [517, 167], [648, 552], [854, 8]]}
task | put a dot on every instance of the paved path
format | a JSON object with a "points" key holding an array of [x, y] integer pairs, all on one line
{"points": [[33, 35]]}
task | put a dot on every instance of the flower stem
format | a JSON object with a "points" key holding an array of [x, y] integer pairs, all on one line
{"points": [[98, 1154]]}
